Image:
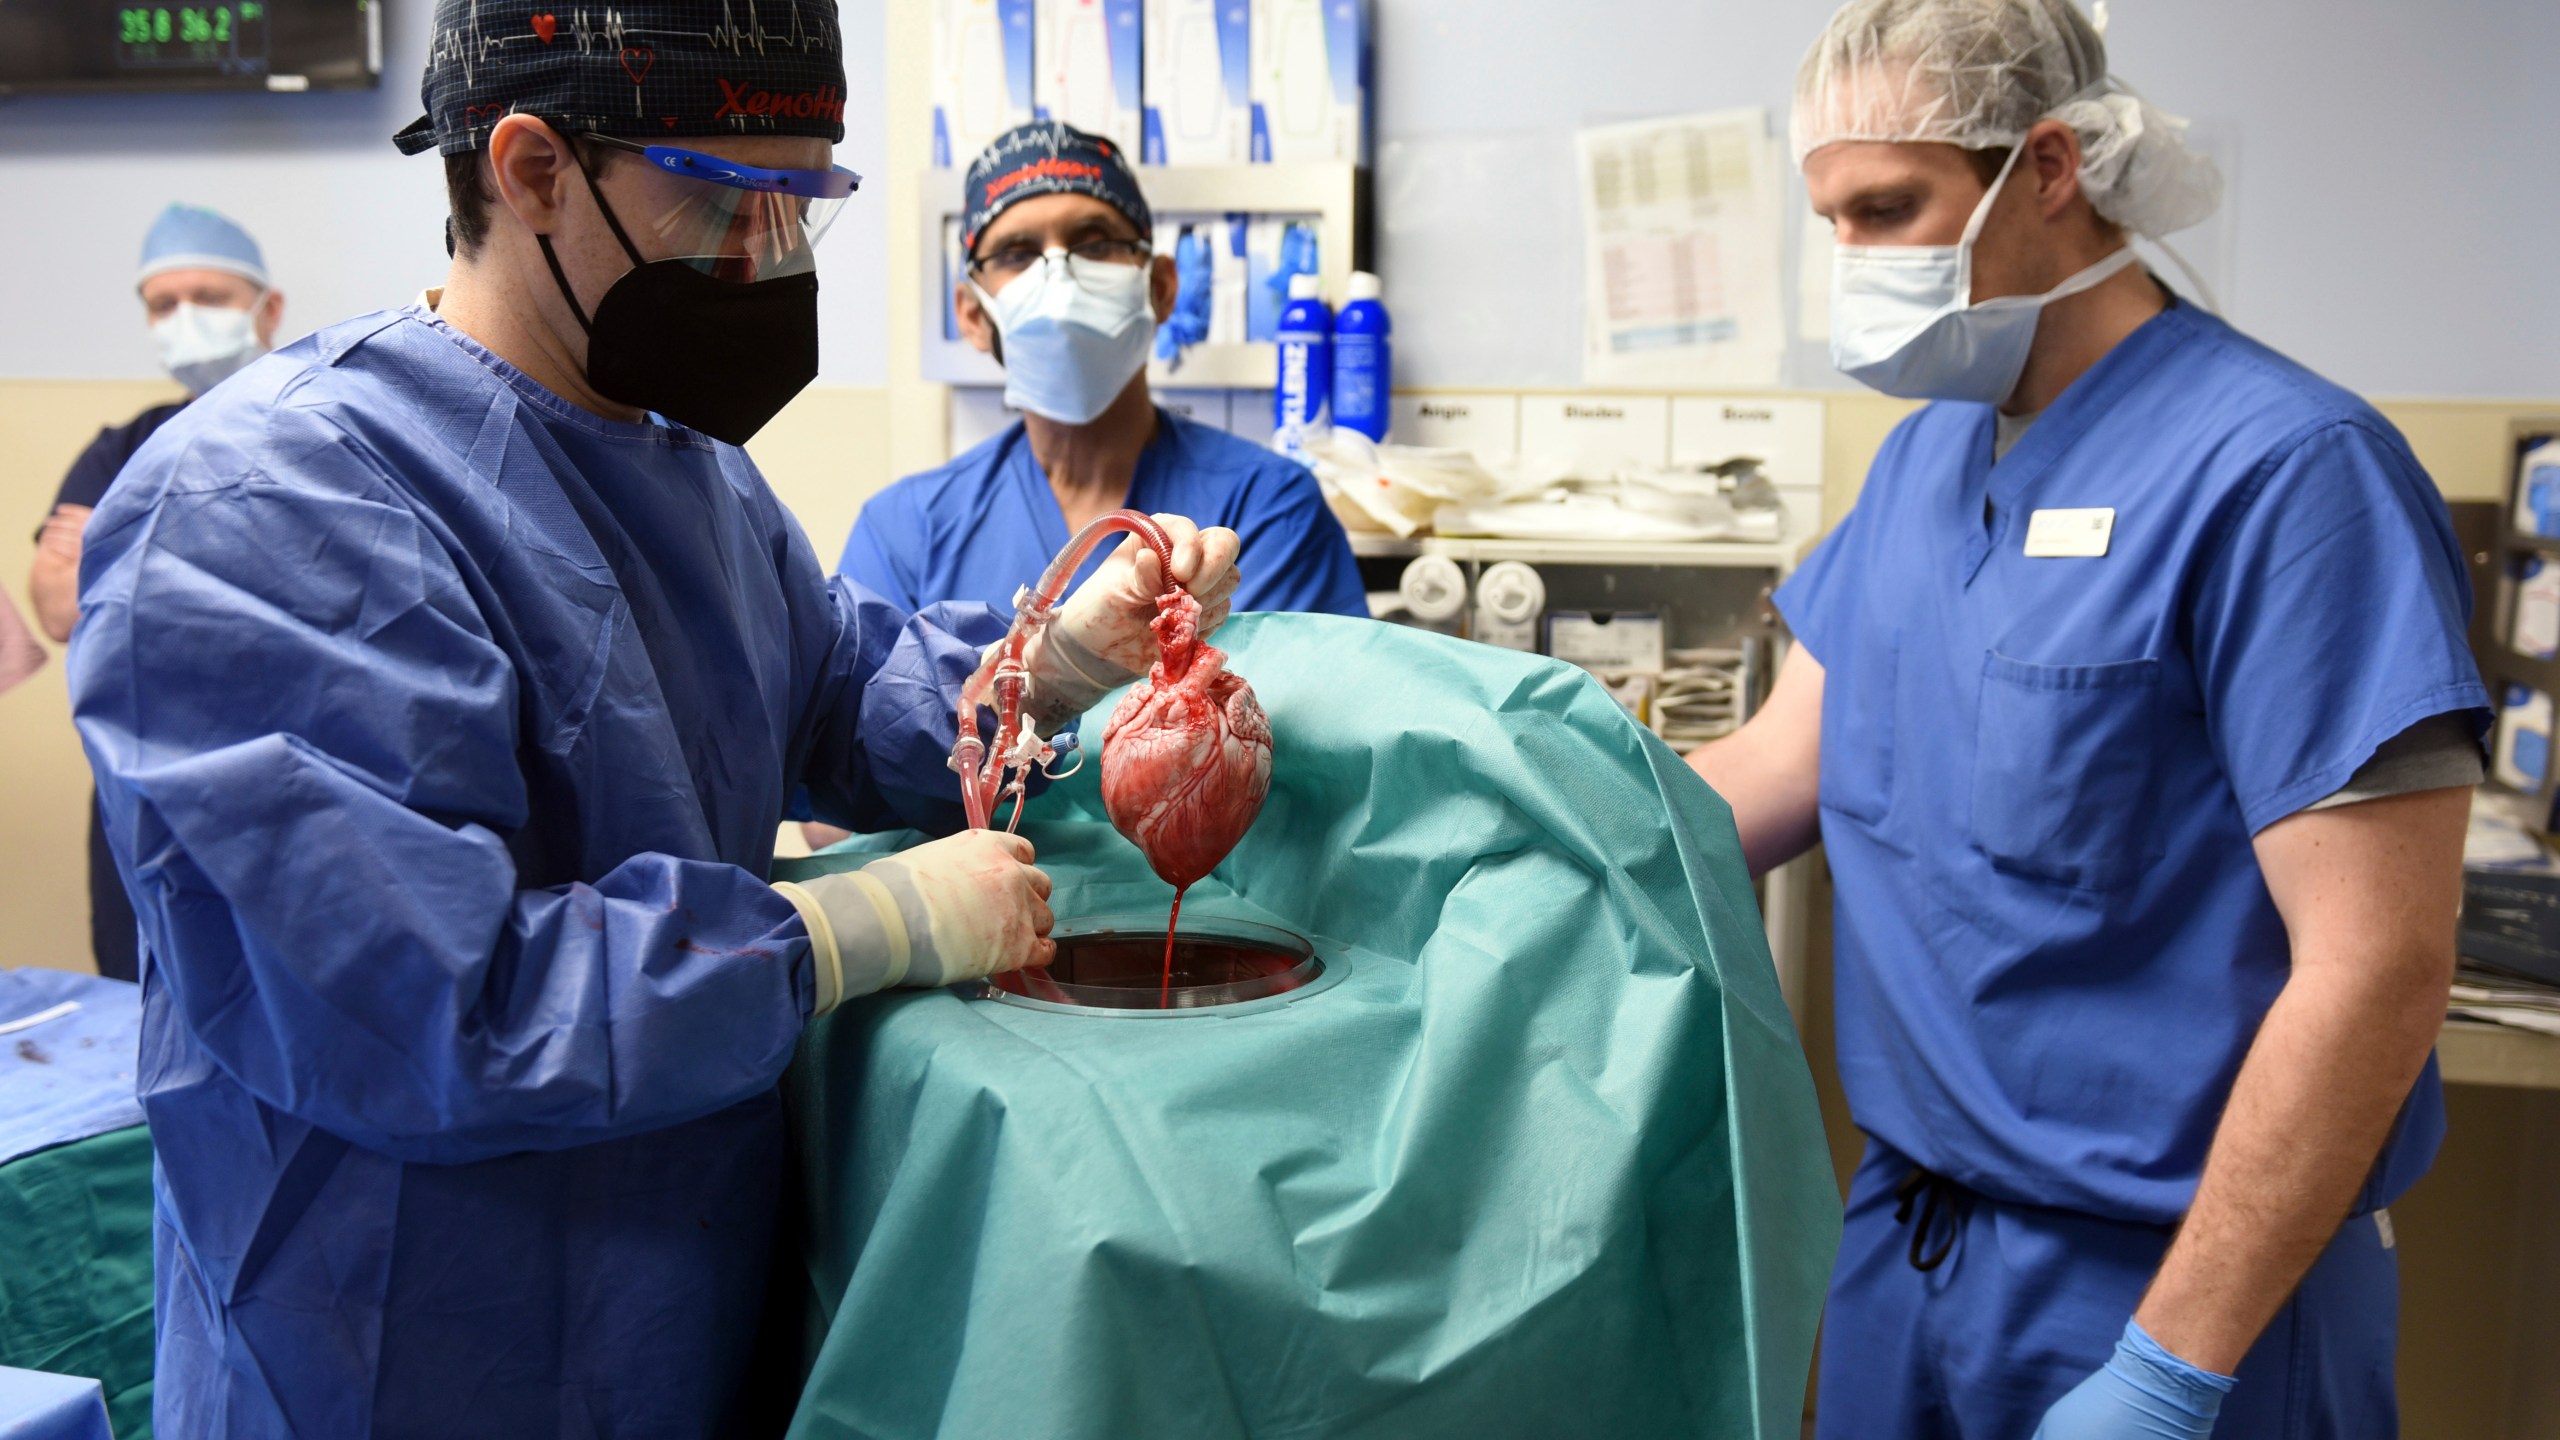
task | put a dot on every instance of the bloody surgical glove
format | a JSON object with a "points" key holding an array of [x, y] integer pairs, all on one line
{"points": [[960, 908], [1109, 615], [1066, 678], [2143, 1393]]}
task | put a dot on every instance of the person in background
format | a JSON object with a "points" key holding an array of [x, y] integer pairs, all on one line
{"points": [[2134, 711], [445, 674], [1065, 288], [212, 309]]}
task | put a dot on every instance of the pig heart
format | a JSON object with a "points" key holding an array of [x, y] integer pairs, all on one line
{"points": [[1186, 758]]}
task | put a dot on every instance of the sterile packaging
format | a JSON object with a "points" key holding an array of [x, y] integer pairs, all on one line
{"points": [[982, 75], [1311, 74], [2537, 623], [1633, 690], [1393, 489], [1620, 643], [1700, 697], [1089, 66], [1731, 501], [2523, 755], [2538, 490], [1199, 82]]}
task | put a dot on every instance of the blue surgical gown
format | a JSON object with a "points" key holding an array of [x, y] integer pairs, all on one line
{"points": [[2040, 776], [442, 729], [987, 524]]}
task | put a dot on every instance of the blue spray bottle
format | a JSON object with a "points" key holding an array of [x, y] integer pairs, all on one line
{"points": [[1361, 365], [1301, 400]]}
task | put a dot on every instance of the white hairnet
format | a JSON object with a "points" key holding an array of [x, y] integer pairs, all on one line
{"points": [[1977, 74]]}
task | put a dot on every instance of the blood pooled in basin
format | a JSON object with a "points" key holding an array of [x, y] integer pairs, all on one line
{"points": [[1118, 963]]}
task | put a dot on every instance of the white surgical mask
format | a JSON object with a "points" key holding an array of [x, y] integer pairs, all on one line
{"points": [[1902, 319], [1074, 335], [204, 345]]}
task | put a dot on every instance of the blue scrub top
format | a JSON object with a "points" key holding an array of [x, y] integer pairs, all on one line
{"points": [[987, 524], [2040, 777], [441, 729]]}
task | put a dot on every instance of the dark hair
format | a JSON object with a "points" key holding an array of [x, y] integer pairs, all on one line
{"points": [[469, 199]]}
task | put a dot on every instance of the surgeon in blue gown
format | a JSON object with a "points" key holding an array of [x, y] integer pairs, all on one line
{"points": [[445, 675], [1064, 287], [2134, 712]]}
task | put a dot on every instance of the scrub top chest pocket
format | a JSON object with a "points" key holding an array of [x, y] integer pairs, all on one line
{"points": [[2066, 771]]}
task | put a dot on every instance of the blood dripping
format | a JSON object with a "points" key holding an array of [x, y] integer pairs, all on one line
{"points": [[1186, 759]]}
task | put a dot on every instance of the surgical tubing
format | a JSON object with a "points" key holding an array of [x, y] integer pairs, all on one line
{"points": [[983, 773]]}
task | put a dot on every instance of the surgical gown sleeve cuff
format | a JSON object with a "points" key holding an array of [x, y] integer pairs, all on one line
{"points": [[859, 942]]}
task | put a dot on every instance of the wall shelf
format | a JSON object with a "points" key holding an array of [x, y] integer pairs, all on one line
{"points": [[1781, 555]]}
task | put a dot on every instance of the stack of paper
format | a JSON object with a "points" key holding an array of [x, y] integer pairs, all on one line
{"points": [[2501, 1000]]}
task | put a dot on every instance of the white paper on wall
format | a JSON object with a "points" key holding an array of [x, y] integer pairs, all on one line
{"points": [[1681, 242]]}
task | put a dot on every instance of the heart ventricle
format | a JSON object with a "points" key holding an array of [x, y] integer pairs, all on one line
{"points": [[1186, 758]]}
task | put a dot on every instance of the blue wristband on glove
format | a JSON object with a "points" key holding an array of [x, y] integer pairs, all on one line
{"points": [[2144, 1393]]}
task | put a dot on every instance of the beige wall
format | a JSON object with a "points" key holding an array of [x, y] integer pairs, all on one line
{"points": [[44, 780], [825, 455]]}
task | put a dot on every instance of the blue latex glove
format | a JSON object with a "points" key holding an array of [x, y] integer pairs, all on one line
{"points": [[2143, 1393], [1298, 255], [1188, 325]]}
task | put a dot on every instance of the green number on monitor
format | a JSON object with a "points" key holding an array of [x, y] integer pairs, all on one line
{"points": [[160, 26], [222, 25]]}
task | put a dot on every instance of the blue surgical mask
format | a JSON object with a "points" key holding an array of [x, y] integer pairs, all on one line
{"points": [[203, 345], [1074, 335], [1902, 320]]}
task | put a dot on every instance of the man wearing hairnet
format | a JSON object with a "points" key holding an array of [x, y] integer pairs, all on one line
{"points": [[212, 309], [445, 674], [2134, 712]]}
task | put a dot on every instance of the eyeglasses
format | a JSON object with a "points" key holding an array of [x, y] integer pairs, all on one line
{"points": [[1006, 261]]}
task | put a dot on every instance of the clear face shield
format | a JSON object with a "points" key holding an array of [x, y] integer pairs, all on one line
{"points": [[734, 222]]}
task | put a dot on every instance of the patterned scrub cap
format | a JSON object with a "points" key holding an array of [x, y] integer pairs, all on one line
{"points": [[1047, 157], [643, 70]]}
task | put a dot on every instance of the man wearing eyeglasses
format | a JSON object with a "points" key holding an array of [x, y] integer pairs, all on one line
{"points": [[1064, 287], [445, 675]]}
